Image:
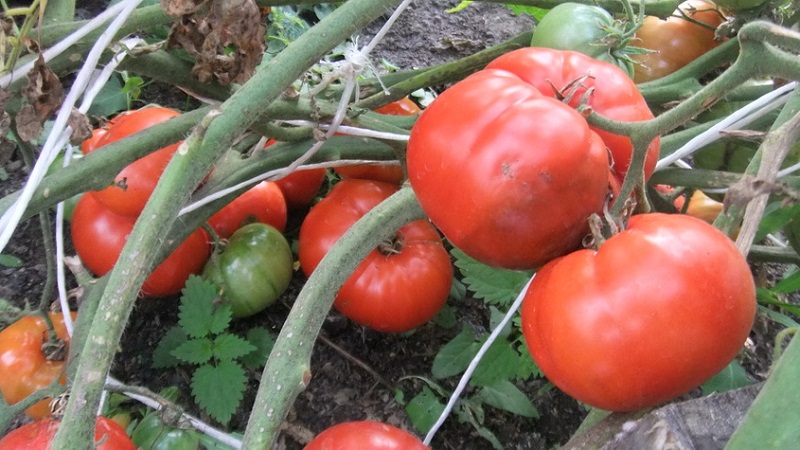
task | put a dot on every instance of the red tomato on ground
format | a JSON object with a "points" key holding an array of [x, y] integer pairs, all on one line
{"points": [[509, 178], [613, 96], [660, 308], [400, 285], [365, 435], [382, 172], [24, 367], [141, 176], [676, 41], [263, 203], [99, 235], [108, 435], [301, 187]]}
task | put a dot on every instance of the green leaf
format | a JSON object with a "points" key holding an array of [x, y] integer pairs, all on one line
{"points": [[262, 341], [789, 284], [424, 410], [446, 317], [508, 397], [4, 176], [230, 346], [194, 351], [198, 316], [775, 217], [536, 13], [162, 355], [496, 286], [526, 365], [733, 376], [454, 357], [12, 261], [219, 389], [111, 99], [459, 7], [778, 317], [499, 363]]}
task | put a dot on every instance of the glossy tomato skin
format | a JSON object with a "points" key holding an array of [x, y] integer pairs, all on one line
{"points": [[382, 172], [99, 235], [153, 434], [24, 368], [392, 290], [365, 435], [614, 96], [108, 435], [675, 41], [656, 311], [509, 178], [262, 203], [579, 27], [141, 176], [254, 269], [301, 187]]}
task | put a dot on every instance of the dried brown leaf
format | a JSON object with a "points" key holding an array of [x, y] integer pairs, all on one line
{"points": [[177, 8], [43, 91], [81, 127], [29, 127]]}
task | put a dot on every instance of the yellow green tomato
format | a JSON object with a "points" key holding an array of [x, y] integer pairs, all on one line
{"points": [[254, 269]]}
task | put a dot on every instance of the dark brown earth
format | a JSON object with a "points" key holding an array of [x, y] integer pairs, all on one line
{"points": [[356, 372]]}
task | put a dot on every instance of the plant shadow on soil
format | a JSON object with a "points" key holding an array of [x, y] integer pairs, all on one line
{"points": [[355, 371]]}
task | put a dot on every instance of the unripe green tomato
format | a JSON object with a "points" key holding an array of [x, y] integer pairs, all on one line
{"points": [[153, 434], [254, 269]]}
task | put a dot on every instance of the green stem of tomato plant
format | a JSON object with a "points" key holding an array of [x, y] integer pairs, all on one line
{"points": [[59, 11], [185, 171], [660, 8], [9, 413], [288, 370]]}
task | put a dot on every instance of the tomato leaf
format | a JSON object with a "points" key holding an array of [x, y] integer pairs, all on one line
{"points": [[219, 389], [424, 409], [262, 341], [110, 99], [508, 397], [229, 346], [162, 355], [454, 357], [536, 13], [496, 286], [498, 364], [10, 261], [733, 376], [195, 351], [199, 316]]}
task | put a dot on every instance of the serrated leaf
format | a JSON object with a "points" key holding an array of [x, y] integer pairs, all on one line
{"points": [[499, 363], [162, 355], [196, 313], [733, 376], [496, 286], [229, 346], [424, 410], [109, 100], [454, 357], [194, 351], [219, 389], [221, 318], [508, 397], [536, 13], [263, 341], [527, 366]]}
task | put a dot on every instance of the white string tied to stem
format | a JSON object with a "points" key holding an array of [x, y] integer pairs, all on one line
{"points": [[462, 384]]}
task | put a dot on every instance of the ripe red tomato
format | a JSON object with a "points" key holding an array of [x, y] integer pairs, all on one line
{"points": [[108, 435], [509, 178], [263, 203], [660, 308], [381, 172], [141, 176], [301, 187], [365, 435], [613, 96], [675, 41], [24, 367], [401, 284], [99, 235]]}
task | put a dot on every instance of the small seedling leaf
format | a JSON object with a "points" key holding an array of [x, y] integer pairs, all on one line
{"points": [[733, 376], [508, 397], [424, 409], [262, 340], [219, 389], [454, 357], [162, 355], [195, 351], [229, 346]]}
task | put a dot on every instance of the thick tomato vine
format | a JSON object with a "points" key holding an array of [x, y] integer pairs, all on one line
{"points": [[510, 176], [365, 435], [108, 435], [660, 308], [135, 183], [99, 235], [400, 285], [25, 367]]}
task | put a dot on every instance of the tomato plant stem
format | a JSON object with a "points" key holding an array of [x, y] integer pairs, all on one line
{"points": [[287, 371]]}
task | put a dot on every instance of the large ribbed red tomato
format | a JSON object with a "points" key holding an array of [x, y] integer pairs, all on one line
{"points": [[401, 284], [509, 175], [262, 203], [660, 308], [108, 435]]}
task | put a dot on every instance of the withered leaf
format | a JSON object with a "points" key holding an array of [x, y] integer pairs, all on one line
{"points": [[29, 127], [43, 91], [81, 127], [177, 8]]}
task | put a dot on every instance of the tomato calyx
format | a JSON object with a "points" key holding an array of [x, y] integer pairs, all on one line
{"points": [[603, 228], [53, 347], [391, 246]]}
